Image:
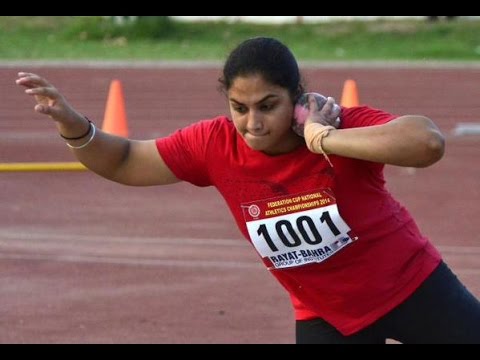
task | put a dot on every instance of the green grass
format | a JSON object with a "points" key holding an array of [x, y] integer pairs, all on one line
{"points": [[77, 38]]}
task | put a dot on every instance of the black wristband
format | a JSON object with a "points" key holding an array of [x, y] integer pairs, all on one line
{"points": [[82, 136]]}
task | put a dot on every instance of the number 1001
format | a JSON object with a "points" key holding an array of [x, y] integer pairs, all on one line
{"points": [[284, 227]]}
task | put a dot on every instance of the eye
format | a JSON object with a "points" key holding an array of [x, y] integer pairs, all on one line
{"points": [[267, 107], [239, 109]]}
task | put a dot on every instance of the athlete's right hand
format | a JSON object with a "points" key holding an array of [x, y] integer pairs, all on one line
{"points": [[323, 111], [49, 101]]}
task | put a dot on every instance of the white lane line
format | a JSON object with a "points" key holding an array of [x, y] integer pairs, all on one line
{"points": [[11, 235], [467, 250], [213, 64], [162, 262], [44, 236], [132, 261], [38, 236]]}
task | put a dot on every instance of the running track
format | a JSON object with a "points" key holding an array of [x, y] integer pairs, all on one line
{"points": [[84, 260]]}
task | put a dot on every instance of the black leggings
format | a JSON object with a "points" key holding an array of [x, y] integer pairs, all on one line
{"points": [[441, 311]]}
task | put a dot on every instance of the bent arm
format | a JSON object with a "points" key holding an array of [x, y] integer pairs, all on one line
{"points": [[129, 162], [118, 159], [409, 140]]}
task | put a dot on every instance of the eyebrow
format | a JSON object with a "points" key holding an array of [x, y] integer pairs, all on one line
{"points": [[258, 102]]}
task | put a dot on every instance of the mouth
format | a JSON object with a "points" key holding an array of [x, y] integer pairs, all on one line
{"points": [[255, 135]]}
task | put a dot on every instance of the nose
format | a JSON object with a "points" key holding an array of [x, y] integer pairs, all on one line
{"points": [[254, 122]]}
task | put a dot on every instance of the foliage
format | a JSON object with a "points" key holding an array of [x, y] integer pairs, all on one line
{"points": [[160, 38]]}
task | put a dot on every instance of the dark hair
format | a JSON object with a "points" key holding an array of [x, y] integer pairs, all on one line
{"points": [[266, 57]]}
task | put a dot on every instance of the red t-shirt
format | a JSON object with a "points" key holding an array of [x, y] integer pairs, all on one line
{"points": [[357, 285]]}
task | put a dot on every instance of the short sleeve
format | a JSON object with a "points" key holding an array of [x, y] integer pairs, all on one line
{"points": [[361, 116], [185, 152]]}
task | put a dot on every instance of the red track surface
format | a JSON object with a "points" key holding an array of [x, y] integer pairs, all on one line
{"points": [[86, 260]]}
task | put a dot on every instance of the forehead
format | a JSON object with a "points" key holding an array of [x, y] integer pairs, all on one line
{"points": [[254, 86]]}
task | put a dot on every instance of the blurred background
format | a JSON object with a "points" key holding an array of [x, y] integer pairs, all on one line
{"points": [[313, 38], [85, 260]]}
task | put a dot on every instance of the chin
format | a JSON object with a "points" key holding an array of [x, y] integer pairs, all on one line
{"points": [[256, 146]]}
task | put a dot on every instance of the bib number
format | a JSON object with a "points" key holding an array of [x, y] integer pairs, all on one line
{"points": [[309, 229]]}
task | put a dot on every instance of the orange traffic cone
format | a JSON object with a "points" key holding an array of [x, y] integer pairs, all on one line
{"points": [[350, 94], [115, 120]]}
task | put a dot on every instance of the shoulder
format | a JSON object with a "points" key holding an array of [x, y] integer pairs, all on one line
{"points": [[218, 122], [209, 126], [200, 136], [359, 116]]}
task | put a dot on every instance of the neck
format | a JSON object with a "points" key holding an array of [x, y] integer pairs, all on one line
{"points": [[291, 143]]}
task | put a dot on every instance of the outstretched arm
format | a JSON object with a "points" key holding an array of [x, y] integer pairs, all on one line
{"points": [[410, 140], [115, 158]]}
